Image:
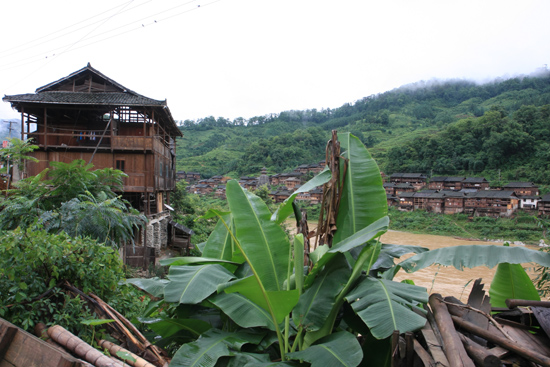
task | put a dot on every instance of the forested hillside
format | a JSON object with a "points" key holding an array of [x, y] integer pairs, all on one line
{"points": [[498, 129]]}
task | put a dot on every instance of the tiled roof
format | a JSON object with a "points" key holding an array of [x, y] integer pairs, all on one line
{"points": [[475, 179], [409, 175], [520, 184], [503, 194], [80, 98]]}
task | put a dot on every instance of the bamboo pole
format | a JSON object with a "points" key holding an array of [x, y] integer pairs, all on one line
{"points": [[503, 342], [80, 348], [113, 349]]}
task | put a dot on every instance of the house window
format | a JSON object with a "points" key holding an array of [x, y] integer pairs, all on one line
{"points": [[120, 164]]}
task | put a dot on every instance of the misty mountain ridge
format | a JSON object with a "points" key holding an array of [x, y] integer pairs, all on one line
{"points": [[407, 129]]}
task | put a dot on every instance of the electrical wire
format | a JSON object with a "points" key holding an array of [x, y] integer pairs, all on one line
{"points": [[138, 24], [39, 39], [72, 47]]}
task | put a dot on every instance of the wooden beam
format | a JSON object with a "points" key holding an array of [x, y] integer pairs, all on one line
{"points": [[45, 128], [503, 342], [454, 350]]}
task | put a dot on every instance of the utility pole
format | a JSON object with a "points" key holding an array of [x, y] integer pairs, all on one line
{"points": [[10, 129]]}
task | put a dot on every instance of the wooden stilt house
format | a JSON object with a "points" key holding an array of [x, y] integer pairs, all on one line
{"points": [[88, 116]]}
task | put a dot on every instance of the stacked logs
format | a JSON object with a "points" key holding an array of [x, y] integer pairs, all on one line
{"points": [[476, 335]]}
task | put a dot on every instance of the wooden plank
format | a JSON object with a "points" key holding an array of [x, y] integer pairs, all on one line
{"points": [[26, 350], [542, 315], [424, 356], [434, 347], [528, 340], [515, 347], [7, 333]]}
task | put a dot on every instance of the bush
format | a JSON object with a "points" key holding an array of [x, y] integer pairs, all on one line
{"points": [[35, 264]]}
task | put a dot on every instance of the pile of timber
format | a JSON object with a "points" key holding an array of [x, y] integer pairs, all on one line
{"points": [[477, 335], [58, 347]]}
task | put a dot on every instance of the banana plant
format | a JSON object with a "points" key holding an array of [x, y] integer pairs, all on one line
{"points": [[253, 275], [250, 301]]}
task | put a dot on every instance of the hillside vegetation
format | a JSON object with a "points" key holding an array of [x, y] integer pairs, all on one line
{"points": [[498, 130]]}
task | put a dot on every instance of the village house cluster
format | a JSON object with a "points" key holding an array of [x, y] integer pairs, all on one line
{"points": [[405, 191], [469, 195], [282, 184]]}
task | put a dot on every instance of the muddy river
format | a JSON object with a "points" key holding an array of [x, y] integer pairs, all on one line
{"points": [[438, 279]]}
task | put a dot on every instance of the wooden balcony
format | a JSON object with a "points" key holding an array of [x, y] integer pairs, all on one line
{"points": [[91, 140]]}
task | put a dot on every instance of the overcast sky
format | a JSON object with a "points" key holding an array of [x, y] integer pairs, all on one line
{"points": [[245, 58]]}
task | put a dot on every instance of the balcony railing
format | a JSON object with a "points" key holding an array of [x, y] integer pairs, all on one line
{"points": [[93, 139]]}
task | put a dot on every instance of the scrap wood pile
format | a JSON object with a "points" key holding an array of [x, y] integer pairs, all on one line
{"points": [[476, 335], [134, 349]]}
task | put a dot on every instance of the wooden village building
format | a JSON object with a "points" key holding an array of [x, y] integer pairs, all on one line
{"points": [[88, 116], [522, 188], [477, 183], [496, 203], [544, 205], [418, 180]]}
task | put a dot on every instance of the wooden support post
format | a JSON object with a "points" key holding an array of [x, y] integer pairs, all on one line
{"points": [[22, 125], [45, 129]]}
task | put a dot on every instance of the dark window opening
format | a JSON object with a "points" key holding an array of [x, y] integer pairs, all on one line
{"points": [[120, 164]]}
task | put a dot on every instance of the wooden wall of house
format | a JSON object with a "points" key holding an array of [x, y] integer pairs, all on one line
{"points": [[145, 172]]}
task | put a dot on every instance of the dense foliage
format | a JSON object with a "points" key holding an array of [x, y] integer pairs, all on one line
{"points": [[36, 264], [390, 124], [61, 229], [74, 199], [517, 144]]}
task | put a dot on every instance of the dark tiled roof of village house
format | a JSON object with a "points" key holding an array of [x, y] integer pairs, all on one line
{"points": [[520, 184], [80, 98]]}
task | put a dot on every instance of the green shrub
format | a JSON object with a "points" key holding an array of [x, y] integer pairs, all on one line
{"points": [[35, 264]]}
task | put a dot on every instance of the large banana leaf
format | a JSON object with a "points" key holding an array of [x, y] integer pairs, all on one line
{"points": [[285, 209], [511, 281], [242, 311], [363, 196], [166, 327], [338, 349], [211, 346], [262, 242], [220, 245], [317, 302], [278, 303], [190, 260], [192, 284], [475, 255], [153, 286], [390, 252], [385, 305], [322, 255]]}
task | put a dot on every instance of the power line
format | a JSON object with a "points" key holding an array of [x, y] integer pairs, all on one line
{"points": [[138, 24], [72, 48], [36, 40]]}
